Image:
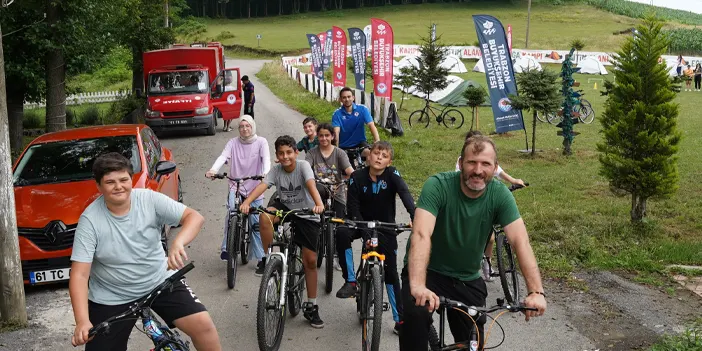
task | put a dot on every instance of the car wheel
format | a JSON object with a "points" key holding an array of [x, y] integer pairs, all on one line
{"points": [[212, 128]]}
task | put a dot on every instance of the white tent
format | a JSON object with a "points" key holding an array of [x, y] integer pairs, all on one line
{"points": [[525, 63], [454, 81], [479, 67], [672, 66], [591, 65], [452, 63]]}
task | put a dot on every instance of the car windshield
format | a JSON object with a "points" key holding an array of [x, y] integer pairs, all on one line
{"points": [[178, 82], [71, 160]]}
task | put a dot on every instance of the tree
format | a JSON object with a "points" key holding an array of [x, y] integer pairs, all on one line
{"points": [[404, 80], [569, 101], [12, 304], [639, 125], [538, 92], [476, 96], [578, 45], [429, 75]]}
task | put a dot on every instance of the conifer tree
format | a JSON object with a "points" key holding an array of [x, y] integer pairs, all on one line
{"points": [[428, 75]]}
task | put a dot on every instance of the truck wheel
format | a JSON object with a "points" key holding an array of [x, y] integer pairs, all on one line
{"points": [[212, 129]]}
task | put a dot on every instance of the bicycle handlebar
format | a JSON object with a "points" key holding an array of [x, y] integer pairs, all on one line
{"points": [[139, 305], [327, 183], [281, 213], [224, 175], [473, 310], [398, 227]]}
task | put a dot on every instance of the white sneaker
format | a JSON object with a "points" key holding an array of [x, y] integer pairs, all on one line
{"points": [[336, 264], [486, 271]]}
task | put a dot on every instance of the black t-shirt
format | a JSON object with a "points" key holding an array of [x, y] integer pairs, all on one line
{"points": [[248, 91], [375, 201]]}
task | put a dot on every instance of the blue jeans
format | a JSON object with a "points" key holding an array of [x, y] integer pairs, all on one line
{"points": [[256, 246]]}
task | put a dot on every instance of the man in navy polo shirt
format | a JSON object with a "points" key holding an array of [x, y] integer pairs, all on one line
{"points": [[249, 97], [349, 123]]}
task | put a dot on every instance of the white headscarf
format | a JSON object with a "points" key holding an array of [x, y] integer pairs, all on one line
{"points": [[253, 136]]}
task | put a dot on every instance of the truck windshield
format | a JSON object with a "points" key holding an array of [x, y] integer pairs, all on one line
{"points": [[178, 82]]}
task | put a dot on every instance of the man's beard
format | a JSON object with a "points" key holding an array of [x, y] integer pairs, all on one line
{"points": [[467, 178]]}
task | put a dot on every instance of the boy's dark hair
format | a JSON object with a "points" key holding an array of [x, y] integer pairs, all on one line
{"points": [[308, 120], [346, 89], [244, 78], [285, 140], [111, 162], [383, 145], [326, 126], [471, 134]]}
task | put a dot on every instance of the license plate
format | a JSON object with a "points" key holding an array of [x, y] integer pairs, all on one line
{"points": [[52, 275], [177, 121]]}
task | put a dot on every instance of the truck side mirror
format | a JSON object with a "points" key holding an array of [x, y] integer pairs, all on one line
{"points": [[138, 93]]}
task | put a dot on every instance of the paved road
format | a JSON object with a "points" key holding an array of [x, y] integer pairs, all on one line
{"points": [[233, 311]]}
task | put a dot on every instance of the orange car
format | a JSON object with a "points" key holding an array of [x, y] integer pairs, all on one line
{"points": [[53, 184]]}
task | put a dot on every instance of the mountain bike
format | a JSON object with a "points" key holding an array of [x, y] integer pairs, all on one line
{"points": [[238, 235], [164, 339], [582, 109], [436, 340], [356, 157], [450, 117], [506, 264], [282, 282], [327, 244], [370, 278]]}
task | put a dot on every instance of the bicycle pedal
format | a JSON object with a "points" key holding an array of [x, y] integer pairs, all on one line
{"points": [[386, 306]]}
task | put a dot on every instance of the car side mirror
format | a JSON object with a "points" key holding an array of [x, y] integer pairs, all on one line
{"points": [[138, 93], [165, 167]]}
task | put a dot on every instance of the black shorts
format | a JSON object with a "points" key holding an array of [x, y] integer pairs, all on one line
{"points": [[170, 306], [306, 231]]}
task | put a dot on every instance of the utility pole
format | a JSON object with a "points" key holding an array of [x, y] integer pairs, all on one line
{"points": [[165, 6], [12, 305], [526, 44]]}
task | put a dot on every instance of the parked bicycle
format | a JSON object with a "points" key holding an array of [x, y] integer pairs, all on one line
{"points": [[450, 117], [370, 278], [355, 157], [583, 110], [282, 282], [436, 340], [164, 339], [238, 233], [506, 265], [326, 249]]}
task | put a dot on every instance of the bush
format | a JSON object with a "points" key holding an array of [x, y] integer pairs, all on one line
{"points": [[122, 108], [70, 117], [91, 116], [685, 41], [224, 35], [32, 119], [116, 68]]}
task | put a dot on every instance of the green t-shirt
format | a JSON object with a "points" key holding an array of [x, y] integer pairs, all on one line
{"points": [[463, 225]]}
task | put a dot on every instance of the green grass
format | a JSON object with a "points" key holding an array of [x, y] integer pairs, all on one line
{"points": [[77, 109], [572, 217], [689, 340]]}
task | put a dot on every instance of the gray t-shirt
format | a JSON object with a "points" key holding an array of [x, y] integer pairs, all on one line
{"points": [[330, 168], [291, 187], [125, 251]]}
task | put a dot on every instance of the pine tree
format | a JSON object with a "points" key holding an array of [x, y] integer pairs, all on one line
{"points": [[428, 75], [570, 101], [475, 97], [639, 125]]}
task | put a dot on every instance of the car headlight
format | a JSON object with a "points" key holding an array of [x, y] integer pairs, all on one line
{"points": [[202, 110], [152, 114]]}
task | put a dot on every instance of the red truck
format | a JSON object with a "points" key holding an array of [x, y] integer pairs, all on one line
{"points": [[189, 88]]}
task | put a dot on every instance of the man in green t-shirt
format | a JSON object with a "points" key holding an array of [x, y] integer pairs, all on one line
{"points": [[452, 224]]}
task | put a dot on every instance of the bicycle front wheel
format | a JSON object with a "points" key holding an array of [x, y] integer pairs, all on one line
{"points": [[507, 269], [541, 117], [434, 343], [373, 306], [587, 114], [419, 118], [232, 249], [270, 315], [329, 258], [245, 241], [296, 280], [554, 118], [452, 119], [321, 245]]}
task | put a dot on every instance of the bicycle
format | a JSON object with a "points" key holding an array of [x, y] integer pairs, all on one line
{"points": [[355, 155], [506, 266], [370, 278], [436, 340], [450, 117], [327, 247], [283, 280], [582, 109], [164, 339], [238, 236]]}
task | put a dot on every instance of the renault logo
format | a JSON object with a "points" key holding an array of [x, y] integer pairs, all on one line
{"points": [[55, 232]]}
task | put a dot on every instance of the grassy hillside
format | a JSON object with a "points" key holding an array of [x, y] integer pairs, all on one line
{"points": [[552, 27]]}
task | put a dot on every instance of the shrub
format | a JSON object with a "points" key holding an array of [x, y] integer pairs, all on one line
{"points": [[224, 35], [91, 116], [31, 120], [70, 117], [122, 108]]}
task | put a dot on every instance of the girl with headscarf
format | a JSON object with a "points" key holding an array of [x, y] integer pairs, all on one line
{"points": [[247, 155]]}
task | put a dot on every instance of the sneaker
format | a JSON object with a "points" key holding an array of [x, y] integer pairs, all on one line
{"points": [[337, 266], [224, 255], [347, 290], [260, 267], [397, 329], [487, 270], [311, 313]]}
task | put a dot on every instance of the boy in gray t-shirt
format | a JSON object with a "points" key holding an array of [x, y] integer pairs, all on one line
{"points": [[296, 188], [118, 258]]}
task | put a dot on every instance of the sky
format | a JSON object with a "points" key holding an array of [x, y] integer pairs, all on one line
{"points": [[688, 5]]}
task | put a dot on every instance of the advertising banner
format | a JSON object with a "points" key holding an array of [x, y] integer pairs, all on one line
{"points": [[498, 72], [339, 57], [327, 50], [316, 48], [358, 53], [382, 58]]}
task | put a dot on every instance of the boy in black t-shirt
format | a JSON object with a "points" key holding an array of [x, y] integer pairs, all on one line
{"points": [[371, 196]]}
